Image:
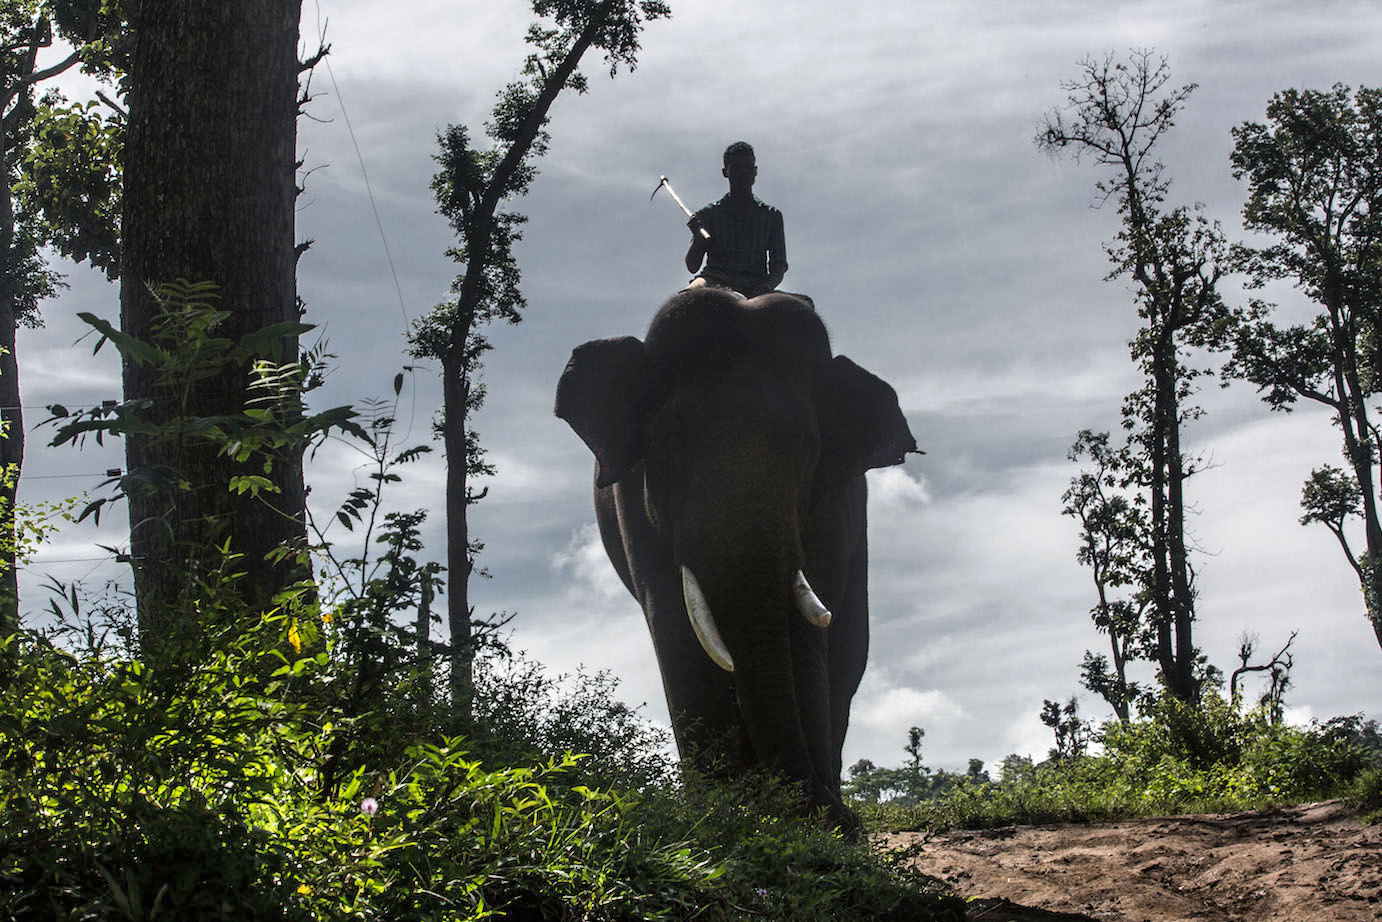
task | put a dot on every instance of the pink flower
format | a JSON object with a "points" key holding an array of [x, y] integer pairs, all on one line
{"points": [[369, 806]]}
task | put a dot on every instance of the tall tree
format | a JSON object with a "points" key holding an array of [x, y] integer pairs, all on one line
{"points": [[471, 187], [1117, 112], [1314, 174], [209, 192], [58, 162]]}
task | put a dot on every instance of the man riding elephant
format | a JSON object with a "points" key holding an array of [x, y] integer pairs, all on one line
{"points": [[745, 250]]}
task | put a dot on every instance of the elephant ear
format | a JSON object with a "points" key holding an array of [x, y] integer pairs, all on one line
{"points": [[603, 396], [862, 426]]}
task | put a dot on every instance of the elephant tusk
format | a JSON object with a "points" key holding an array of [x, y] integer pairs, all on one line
{"points": [[702, 622], [811, 607]]}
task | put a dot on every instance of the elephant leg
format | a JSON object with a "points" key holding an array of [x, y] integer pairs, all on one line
{"points": [[849, 650], [810, 667], [700, 695], [837, 555]]}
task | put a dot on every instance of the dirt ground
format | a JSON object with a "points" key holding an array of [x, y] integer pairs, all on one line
{"points": [[1309, 863]]}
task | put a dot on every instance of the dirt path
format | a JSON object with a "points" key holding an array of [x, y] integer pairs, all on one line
{"points": [[1310, 863]]}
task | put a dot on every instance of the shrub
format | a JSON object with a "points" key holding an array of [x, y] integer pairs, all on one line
{"points": [[521, 714], [775, 867], [1175, 759], [121, 799], [124, 795], [1365, 794]]}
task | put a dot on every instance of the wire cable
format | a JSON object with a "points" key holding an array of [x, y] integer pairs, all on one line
{"points": [[369, 191]]}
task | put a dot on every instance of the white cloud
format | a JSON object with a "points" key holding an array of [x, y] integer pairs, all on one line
{"points": [[892, 487], [881, 706], [585, 562]]}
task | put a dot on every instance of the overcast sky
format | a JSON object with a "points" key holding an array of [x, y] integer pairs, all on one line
{"points": [[944, 253]]}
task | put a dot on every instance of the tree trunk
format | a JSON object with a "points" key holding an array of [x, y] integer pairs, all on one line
{"points": [[12, 414], [456, 399], [208, 196], [1187, 688], [1176, 651], [11, 462]]}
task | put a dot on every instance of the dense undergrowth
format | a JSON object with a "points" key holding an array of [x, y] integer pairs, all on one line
{"points": [[1174, 759], [231, 791], [317, 764]]}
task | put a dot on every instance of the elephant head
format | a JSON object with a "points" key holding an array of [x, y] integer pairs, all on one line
{"points": [[730, 447]]}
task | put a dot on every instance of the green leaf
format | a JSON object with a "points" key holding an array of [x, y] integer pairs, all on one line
{"points": [[140, 352], [252, 484]]}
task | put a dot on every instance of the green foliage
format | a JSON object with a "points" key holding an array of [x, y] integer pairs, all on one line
{"points": [[61, 160], [911, 783], [1314, 177], [1072, 731], [69, 183], [1176, 758], [186, 351], [1365, 795], [1115, 545], [774, 867], [207, 461], [521, 713], [122, 796], [211, 794]]}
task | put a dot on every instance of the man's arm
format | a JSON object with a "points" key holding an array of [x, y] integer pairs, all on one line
{"points": [[696, 253], [777, 252]]}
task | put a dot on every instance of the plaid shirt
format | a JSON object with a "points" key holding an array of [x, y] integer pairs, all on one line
{"points": [[744, 246]]}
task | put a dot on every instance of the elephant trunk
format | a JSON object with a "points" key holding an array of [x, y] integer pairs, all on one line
{"points": [[757, 618]]}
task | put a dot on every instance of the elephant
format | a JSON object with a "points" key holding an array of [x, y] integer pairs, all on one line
{"points": [[730, 448]]}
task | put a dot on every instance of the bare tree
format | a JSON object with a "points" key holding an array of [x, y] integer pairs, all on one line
{"points": [[1116, 112], [1278, 670]]}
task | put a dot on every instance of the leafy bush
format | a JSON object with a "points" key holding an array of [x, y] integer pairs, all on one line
{"points": [[1365, 794], [124, 795], [522, 714], [123, 799], [1175, 759], [775, 867]]}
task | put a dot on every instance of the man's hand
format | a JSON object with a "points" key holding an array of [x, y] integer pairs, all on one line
{"points": [[697, 228]]}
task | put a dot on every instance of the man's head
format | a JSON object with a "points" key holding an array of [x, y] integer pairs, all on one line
{"points": [[740, 167]]}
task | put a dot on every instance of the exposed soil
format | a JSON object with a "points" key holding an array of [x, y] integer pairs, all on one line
{"points": [[1309, 863]]}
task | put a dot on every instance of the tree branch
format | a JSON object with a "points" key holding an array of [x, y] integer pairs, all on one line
{"points": [[38, 76], [482, 224]]}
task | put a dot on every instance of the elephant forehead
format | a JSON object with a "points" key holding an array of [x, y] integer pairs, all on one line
{"points": [[701, 321]]}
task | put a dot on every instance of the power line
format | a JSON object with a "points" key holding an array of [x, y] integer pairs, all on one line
{"points": [[369, 189], [112, 472], [106, 404], [45, 560]]}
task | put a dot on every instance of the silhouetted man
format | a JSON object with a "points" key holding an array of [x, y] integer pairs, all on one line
{"points": [[746, 250]]}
